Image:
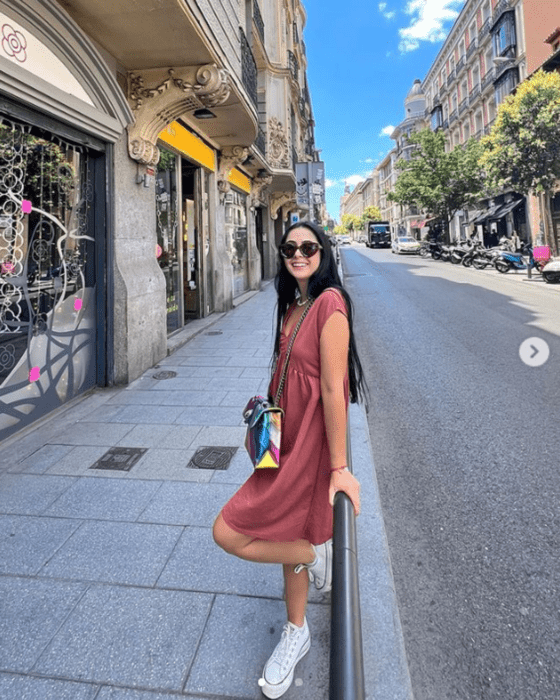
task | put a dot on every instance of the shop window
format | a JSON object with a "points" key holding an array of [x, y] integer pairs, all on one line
{"points": [[167, 206], [48, 259], [236, 231]]}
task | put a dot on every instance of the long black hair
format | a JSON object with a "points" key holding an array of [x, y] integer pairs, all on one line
{"points": [[324, 277]]}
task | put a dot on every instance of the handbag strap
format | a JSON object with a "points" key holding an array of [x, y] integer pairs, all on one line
{"points": [[289, 352]]}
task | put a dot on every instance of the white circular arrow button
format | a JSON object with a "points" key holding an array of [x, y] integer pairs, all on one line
{"points": [[534, 352]]}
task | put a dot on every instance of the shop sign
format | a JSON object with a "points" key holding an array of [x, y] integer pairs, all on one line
{"points": [[20, 47]]}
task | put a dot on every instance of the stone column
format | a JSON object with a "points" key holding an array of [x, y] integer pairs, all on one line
{"points": [[139, 313]]}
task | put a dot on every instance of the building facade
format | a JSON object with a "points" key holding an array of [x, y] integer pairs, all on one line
{"points": [[147, 171]]}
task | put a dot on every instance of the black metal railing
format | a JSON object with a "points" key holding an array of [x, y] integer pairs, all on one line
{"points": [[484, 29], [248, 67], [488, 79], [451, 77], [463, 105], [472, 47], [460, 64], [347, 680], [294, 65], [453, 116], [258, 20], [475, 92], [260, 141]]}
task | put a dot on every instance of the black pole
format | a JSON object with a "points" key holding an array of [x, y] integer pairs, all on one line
{"points": [[347, 680]]}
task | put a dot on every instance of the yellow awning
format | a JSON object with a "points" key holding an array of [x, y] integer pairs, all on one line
{"points": [[239, 180], [186, 143]]}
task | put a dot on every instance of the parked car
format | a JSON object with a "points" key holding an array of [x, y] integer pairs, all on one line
{"points": [[405, 244], [344, 240]]}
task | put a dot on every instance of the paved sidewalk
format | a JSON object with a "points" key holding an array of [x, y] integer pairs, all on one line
{"points": [[111, 585]]}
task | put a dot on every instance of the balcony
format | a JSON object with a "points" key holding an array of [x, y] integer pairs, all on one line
{"points": [[472, 47], [463, 105], [258, 20], [475, 92], [488, 127], [484, 30], [500, 8], [294, 65], [487, 80], [248, 67], [452, 117], [461, 63], [260, 141], [451, 77]]}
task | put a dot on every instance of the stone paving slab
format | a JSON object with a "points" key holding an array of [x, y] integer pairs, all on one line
{"points": [[104, 499], [43, 458], [14, 687], [30, 494], [27, 542], [133, 637], [187, 503], [198, 565], [111, 552], [124, 694], [31, 612], [240, 636]]}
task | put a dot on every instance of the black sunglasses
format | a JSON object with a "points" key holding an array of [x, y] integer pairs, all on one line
{"points": [[307, 249]]}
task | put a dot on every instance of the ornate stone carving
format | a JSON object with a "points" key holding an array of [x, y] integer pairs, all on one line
{"points": [[158, 96], [278, 152], [230, 157], [279, 200], [258, 190]]}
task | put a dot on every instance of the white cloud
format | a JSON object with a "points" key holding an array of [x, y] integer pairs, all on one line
{"points": [[330, 183], [428, 18], [354, 180], [388, 14], [367, 160], [387, 130]]}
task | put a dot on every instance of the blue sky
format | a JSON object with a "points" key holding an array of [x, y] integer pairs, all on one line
{"points": [[363, 57]]}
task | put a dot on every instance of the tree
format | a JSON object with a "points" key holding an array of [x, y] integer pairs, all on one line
{"points": [[522, 152], [350, 222], [370, 213], [439, 183]]}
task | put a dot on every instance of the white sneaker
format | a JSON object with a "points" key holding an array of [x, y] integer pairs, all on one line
{"points": [[278, 672], [320, 571]]}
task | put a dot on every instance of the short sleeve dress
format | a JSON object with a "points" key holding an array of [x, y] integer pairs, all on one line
{"points": [[292, 502]]}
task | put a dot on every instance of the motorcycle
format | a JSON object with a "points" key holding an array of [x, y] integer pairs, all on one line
{"points": [[427, 248], [551, 272], [459, 252], [468, 257], [442, 252], [487, 256], [515, 261]]}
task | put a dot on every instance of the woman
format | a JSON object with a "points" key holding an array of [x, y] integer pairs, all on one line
{"points": [[284, 515]]}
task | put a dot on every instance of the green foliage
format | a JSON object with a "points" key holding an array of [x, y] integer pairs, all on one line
{"points": [[522, 152], [439, 182], [350, 222], [370, 213]]}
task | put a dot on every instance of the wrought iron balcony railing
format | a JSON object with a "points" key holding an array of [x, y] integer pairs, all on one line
{"points": [[294, 65], [248, 67], [258, 20]]}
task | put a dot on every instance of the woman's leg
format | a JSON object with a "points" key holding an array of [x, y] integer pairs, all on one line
{"points": [[245, 547], [296, 589]]}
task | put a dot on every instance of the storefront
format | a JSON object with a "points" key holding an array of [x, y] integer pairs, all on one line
{"points": [[237, 238], [54, 140]]}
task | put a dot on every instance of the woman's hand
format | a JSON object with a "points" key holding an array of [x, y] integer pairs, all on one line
{"points": [[344, 480]]}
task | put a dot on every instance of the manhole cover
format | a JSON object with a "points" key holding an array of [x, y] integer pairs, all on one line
{"points": [[165, 374], [120, 458], [214, 333], [212, 458]]}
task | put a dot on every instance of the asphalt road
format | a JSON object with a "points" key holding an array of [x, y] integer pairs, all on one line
{"points": [[466, 442]]}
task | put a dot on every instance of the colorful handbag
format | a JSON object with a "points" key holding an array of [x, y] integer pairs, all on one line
{"points": [[264, 418]]}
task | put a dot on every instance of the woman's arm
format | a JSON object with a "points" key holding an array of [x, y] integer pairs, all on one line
{"points": [[335, 338]]}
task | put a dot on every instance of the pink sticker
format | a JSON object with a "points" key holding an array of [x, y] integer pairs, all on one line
{"points": [[77, 304], [8, 267], [26, 206], [34, 374], [159, 251]]}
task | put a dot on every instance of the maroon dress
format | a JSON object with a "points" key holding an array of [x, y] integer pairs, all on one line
{"points": [[292, 502]]}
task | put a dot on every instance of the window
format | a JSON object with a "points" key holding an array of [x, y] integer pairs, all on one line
{"points": [[466, 130], [504, 34], [436, 121], [505, 85], [485, 11]]}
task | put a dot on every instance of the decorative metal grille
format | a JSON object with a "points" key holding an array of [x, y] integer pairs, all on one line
{"points": [[294, 65], [248, 67], [47, 273], [258, 20], [260, 141]]}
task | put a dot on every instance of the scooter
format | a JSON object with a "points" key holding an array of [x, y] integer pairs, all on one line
{"points": [[442, 252], [459, 252], [551, 272], [515, 261], [488, 256], [468, 257]]}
